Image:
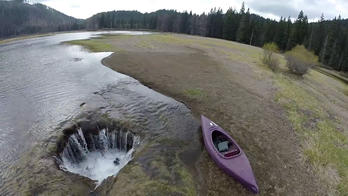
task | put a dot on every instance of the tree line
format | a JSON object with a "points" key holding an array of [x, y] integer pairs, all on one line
{"points": [[18, 17], [327, 38]]}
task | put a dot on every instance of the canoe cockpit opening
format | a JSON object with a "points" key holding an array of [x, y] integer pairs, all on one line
{"points": [[224, 145]]}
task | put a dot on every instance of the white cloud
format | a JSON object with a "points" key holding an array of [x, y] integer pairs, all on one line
{"points": [[270, 8], [87, 8], [312, 8]]}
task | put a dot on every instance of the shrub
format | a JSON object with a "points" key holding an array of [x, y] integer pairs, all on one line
{"points": [[346, 91], [300, 60], [269, 57], [344, 74]]}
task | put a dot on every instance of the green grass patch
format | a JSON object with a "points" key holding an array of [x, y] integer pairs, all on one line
{"points": [[233, 50], [93, 45], [166, 169], [295, 97], [194, 93], [332, 74], [325, 79], [317, 76], [145, 44], [325, 147], [168, 38]]}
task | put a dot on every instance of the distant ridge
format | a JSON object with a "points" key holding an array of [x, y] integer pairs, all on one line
{"points": [[18, 18], [328, 39]]}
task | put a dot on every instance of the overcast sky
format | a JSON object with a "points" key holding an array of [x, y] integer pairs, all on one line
{"points": [[267, 8]]}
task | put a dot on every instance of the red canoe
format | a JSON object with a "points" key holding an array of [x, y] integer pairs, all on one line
{"points": [[227, 154]]}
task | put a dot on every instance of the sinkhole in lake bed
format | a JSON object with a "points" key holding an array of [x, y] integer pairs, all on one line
{"points": [[97, 153]]}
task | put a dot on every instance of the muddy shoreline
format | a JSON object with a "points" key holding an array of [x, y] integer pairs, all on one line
{"points": [[234, 93]]}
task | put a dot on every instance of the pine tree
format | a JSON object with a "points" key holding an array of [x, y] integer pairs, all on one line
{"points": [[309, 43], [336, 33], [242, 9], [102, 21], [230, 26], [215, 23], [243, 33], [319, 35], [323, 52], [281, 34], [184, 23], [344, 61], [288, 34], [299, 32]]}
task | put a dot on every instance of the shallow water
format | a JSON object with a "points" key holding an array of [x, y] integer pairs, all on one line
{"points": [[40, 86], [47, 87], [44, 83]]}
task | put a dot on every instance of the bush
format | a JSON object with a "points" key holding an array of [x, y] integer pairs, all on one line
{"points": [[346, 91], [344, 74], [296, 66], [300, 60], [269, 57]]}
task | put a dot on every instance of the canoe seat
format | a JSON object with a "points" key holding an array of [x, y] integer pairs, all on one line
{"points": [[223, 146], [232, 152]]}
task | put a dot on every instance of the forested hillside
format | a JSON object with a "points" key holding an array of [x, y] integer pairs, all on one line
{"points": [[327, 38], [17, 17]]}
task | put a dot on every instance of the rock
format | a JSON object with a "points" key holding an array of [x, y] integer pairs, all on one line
{"points": [[117, 161]]}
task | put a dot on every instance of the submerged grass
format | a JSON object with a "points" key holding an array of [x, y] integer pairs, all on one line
{"points": [[135, 180], [93, 45], [325, 147], [194, 93]]}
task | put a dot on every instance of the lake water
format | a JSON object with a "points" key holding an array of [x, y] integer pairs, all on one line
{"points": [[44, 83]]}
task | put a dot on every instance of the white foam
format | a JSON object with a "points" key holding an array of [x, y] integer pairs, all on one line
{"points": [[98, 165]]}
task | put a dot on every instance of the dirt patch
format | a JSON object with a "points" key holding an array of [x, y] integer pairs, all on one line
{"points": [[223, 81]]}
